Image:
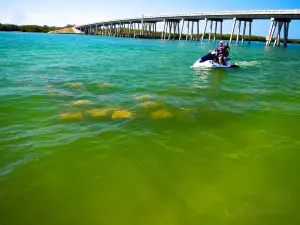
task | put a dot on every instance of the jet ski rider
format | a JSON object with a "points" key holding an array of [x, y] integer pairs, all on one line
{"points": [[222, 53]]}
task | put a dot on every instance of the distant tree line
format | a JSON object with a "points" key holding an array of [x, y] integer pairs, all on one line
{"points": [[30, 28]]}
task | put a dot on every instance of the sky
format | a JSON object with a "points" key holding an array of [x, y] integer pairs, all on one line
{"points": [[63, 12]]}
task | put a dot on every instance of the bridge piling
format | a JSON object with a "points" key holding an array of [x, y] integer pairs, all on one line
{"points": [[250, 28], [165, 34], [286, 33], [178, 29], [205, 26], [244, 31], [143, 27], [209, 37], [238, 33], [277, 39], [198, 30], [221, 30], [188, 30], [180, 35], [268, 41], [233, 28], [272, 33], [170, 28], [216, 27], [163, 31], [192, 31]]}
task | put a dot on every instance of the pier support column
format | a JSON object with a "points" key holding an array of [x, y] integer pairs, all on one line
{"points": [[165, 34], [286, 33], [181, 29], [203, 36], [277, 40], [142, 31], [211, 25], [188, 30], [250, 27], [96, 29], [192, 31], [271, 32], [163, 31], [233, 28], [153, 29], [173, 32], [244, 31], [221, 30], [216, 27], [238, 33], [198, 30], [170, 29], [178, 29]]}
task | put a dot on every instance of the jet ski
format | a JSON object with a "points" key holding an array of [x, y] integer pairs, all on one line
{"points": [[208, 61]]}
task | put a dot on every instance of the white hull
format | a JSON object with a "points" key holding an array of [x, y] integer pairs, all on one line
{"points": [[210, 64]]}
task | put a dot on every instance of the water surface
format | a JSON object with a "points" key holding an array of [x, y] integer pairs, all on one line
{"points": [[204, 147]]}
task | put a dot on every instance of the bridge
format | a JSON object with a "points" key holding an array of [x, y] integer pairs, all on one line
{"points": [[173, 25]]}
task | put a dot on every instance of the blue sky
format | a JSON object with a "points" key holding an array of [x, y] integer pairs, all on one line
{"points": [[62, 12]]}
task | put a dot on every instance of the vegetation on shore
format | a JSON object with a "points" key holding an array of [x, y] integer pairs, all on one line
{"points": [[30, 28]]}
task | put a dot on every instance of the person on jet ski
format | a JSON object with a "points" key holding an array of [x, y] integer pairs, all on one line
{"points": [[221, 54], [227, 50]]}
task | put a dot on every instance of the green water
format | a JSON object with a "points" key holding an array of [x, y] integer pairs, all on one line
{"points": [[216, 147]]}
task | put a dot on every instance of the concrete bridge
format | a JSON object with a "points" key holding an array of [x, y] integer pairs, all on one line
{"points": [[173, 25]]}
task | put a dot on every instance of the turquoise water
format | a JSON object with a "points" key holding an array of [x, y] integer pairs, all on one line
{"points": [[100, 130]]}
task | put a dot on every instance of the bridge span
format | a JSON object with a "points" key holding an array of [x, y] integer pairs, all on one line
{"points": [[173, 25]]}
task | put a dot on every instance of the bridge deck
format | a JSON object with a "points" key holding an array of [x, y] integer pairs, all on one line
{"points": [[247, 14]]}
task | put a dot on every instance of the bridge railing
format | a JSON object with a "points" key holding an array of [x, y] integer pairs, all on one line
{"points": [[255, 12]]}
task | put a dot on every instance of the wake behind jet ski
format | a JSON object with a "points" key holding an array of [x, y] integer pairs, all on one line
{"points": [[219, 58]]}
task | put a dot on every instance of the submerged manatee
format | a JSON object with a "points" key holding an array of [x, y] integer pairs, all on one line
{"points": [[105, 85], [162, 114], [72, 116], [150, 105], [75, 85], [119, 114], [82, 102], [143, 97], [99, 112]]}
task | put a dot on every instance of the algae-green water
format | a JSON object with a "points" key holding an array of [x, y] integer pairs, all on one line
{"points": [[116, 131]]}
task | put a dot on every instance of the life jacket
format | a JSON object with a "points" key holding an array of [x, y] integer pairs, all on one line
{"points": [[220, 50]]}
